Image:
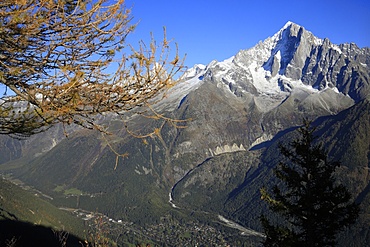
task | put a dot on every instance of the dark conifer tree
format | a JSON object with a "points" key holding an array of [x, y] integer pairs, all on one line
{"points": [[312, 206]]}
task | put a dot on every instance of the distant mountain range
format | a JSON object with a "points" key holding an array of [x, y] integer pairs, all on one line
{"points": [[236, 112]]}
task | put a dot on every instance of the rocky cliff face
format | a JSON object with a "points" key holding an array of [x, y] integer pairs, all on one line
{"points": [[292, 58]]}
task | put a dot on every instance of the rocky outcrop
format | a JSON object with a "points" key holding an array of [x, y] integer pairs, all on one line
{"points": [[227, 149]]}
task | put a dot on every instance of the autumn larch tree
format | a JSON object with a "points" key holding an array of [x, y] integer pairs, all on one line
{"points": [[314, 208], [56, 62]]}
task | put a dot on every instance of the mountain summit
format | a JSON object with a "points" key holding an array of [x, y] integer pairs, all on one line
{"points": [[290, 48], [291, 58]]}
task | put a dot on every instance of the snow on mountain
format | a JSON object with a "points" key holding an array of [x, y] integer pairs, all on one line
{"points": [[293, 58], [192, 79], [251, 70], [194, 71]]}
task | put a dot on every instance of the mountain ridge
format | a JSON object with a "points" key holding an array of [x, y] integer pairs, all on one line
{"points": [[291, 57]]}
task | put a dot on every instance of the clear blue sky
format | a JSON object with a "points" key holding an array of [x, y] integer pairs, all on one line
{"points": [[217, 29]]}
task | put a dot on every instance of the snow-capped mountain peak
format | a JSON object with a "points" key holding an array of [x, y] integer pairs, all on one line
{"points": [[293, 58], [197, 69]]}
